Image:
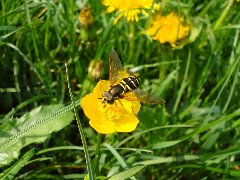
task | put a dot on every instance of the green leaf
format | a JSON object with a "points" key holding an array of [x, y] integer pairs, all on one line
{"points": [[165, 144], [116, 155], [128, 173], [171, 159], [13, 170], [32, 127]]}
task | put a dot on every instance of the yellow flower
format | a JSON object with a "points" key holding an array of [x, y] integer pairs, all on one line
{"points": [[128, 9], [170, 28], [109, 118]]}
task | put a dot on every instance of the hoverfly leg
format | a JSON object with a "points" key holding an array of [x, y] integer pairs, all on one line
{"points": [[119, 100], [103, 102], [133, 111], [115, 103], [122, 97]]}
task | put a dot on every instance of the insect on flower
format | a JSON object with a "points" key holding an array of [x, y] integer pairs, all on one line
{"points": [[123, 88]]}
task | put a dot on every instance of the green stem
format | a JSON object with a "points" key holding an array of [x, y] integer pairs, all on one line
{"points": [[98, 154], [27, 12], [223, 15], [184, 84], [131, 43], [80, 128], [32, 30]]}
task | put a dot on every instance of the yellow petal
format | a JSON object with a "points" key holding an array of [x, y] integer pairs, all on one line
{"points": [[127, 122], [102, 125], [131, 106], [101, 86], [117, 18], [88, 103]]}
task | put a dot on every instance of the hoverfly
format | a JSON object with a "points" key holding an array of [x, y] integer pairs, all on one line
{"points": [[129, 84]]}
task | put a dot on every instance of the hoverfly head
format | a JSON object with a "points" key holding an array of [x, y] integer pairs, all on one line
{"points": [[107, 96]]}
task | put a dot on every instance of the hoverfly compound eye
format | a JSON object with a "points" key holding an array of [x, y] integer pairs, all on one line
{"points": [[105, 94]]}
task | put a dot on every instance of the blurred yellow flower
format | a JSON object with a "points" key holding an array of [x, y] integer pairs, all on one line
{"points": [[129, 9], [170, 28], [109, 118], [85, 17], [95, 69]]}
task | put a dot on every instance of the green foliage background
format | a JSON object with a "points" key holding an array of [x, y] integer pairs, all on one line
{"points": [[195, 135]]}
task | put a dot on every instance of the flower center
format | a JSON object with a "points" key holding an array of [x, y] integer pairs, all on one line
{"points": [[110, 111]]}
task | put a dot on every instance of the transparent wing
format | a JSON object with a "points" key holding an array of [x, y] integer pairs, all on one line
{"points": [[114, 67], [148, 98]]}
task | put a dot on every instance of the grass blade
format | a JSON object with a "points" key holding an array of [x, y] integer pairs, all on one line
{"points": [[80, 128]]}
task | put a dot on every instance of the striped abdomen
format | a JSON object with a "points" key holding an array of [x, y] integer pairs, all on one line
{"points": [[127, 84]]}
